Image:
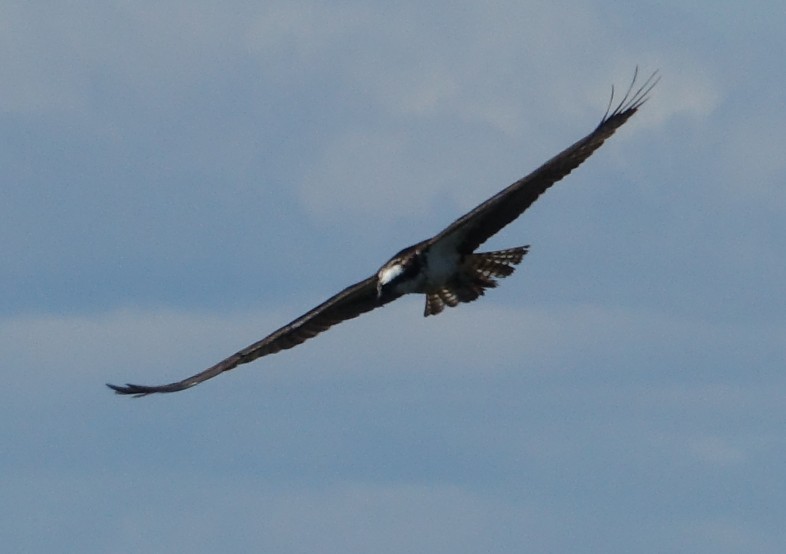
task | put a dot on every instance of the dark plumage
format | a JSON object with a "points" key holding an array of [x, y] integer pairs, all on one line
{"points": [[446, 267]]}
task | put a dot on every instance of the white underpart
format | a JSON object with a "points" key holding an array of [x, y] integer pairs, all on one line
{"points": [[387, 274], [442, 261]]}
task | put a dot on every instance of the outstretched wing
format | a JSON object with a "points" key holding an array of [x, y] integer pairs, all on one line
{"points": [[347, 304], [476, 227]]}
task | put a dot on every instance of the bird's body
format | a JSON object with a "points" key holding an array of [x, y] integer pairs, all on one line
{"points": [[445, 267]]}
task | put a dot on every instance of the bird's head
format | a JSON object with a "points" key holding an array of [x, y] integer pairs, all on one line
{"points": [[388, 276], [401, 274]]}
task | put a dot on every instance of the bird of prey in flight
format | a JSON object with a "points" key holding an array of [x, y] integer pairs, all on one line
{"points": [[445, 267]]}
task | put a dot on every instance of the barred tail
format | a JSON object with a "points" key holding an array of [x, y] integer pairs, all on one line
{"points": [[496, 264], [478, 274]]}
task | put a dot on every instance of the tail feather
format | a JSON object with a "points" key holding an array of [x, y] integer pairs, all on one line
{"points": [[487, 265], [499, 263], [434, 304], [479, 272]]}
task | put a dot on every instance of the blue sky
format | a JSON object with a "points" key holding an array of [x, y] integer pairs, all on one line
{"points": [[181, 178]]}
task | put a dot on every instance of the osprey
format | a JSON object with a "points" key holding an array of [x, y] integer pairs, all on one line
{"points": [[445, 267]]}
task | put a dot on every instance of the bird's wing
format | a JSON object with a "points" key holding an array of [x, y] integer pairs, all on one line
{"points": [[474, 228], [347, 304]]}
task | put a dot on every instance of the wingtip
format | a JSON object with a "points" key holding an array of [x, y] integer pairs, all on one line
{"points": [[634, 97], [143, 390], [129, 389]]}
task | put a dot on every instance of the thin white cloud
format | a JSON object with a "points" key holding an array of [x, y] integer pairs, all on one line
{"points": [[55, 58], [368, 175], [481, 337], [214, 512]]}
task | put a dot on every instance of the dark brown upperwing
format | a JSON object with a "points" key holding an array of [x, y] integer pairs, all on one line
{"points": [[350, 302], [477, 226]]}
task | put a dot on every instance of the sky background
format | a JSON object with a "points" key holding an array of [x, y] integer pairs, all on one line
{"points": [[181, 178]]}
